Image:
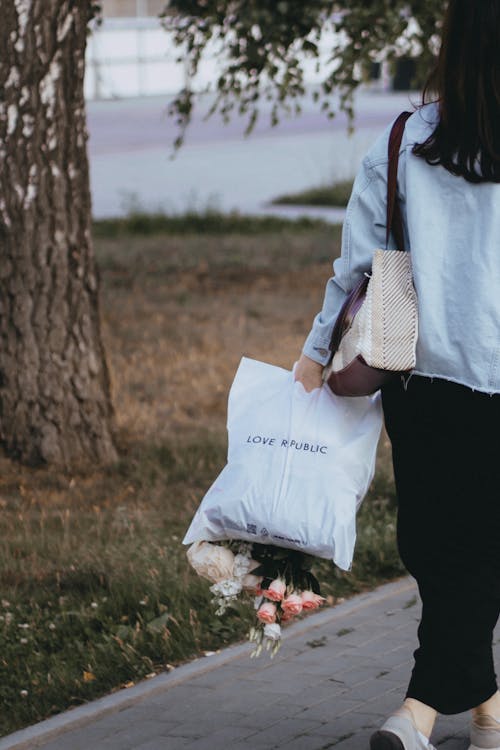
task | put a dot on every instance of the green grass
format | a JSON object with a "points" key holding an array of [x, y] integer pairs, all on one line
{"points": [[204, 222], [337, 194]]}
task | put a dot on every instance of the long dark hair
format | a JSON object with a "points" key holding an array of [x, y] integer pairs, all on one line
{"points": [[466, 81]]}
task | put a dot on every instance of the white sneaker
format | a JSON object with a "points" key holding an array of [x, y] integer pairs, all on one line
{"points": [[484, 733], [399, 733]]}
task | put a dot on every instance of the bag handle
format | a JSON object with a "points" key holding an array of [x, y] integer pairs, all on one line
{"points": [[394, 222]]}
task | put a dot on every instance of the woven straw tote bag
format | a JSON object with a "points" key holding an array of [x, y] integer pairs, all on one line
{"points": [[375, 335]]}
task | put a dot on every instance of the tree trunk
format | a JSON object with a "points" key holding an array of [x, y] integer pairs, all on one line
{"points": [[55, 404]]}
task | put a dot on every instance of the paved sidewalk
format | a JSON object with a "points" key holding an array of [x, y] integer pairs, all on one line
{"points": [[339, 673]]}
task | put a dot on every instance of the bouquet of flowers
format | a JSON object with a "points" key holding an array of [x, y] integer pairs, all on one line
{"points": [[280, 580], [298, 466]]}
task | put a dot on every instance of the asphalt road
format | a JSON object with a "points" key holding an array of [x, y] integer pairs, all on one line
{"points": [[131, 160]]}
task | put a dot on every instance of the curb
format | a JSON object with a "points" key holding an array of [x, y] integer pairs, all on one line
{"points": [[295, 211], [75, 718]]}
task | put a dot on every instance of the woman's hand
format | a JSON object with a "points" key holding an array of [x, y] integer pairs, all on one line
{"points": [[309, 373]]}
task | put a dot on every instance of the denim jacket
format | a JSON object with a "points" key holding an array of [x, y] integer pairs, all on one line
{"points": [[452, 230]]}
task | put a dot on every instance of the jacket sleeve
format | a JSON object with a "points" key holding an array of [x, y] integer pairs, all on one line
{"points": [[363, 231]]}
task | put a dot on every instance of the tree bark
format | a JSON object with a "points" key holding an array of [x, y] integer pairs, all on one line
{"points": [[55, 404]]}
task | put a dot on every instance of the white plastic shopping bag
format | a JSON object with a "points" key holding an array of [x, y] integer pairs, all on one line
{"points": [[299, 465]]}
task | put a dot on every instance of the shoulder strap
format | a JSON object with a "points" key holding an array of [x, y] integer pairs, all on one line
{"points": [[394, 222]]}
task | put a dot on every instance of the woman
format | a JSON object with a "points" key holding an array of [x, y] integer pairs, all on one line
{"points": [[443, 421]]}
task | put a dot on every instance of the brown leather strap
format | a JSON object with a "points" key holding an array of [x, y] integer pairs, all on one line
{"points": [[394, 223]]}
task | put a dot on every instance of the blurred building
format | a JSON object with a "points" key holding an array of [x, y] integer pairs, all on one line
{"points": [[129, 54], [132, 8]]}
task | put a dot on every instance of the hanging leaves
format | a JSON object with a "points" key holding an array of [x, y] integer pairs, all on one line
{"points": [[262, 49]]}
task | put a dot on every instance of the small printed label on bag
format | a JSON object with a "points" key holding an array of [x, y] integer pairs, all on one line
{"points": [[288, 539], [252, 529]]}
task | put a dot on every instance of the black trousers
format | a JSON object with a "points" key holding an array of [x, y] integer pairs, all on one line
{"points": [[446, 456]]}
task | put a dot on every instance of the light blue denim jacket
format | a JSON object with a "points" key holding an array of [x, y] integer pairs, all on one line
{"points": [[452, 230]]}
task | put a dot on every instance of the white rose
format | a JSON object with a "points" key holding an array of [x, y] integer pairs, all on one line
{"points": [[211, 561], [272, 630]]}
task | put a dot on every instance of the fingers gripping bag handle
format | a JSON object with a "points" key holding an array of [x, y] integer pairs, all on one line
{"points": [[298, 466]]}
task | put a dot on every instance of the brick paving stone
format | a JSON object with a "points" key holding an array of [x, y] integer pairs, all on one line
{"points": [[227, 674], [183, 695], [385, 686], [164, 743], [310, 741], [399, 675], [333, 650], [82, 738], [157, 743], [131, 734], [352, 677], [401, 616], [249, 701], [356, 741], [283, 731], [62, 743], [182, 710], [295, 693], [385, 703], [266, 717], [139, 715], [359, 636], [284, 681], [370, 690], [396, 657], [223, 737], [328, 710], [343, 725], [453, 743], [328, 668], [201, 725], [316, 693], [304, 742]]}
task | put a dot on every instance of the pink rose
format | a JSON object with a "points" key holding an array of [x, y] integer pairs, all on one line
{"points": [[267, 612], [310, 600], [292, 604], [276, 590]]}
